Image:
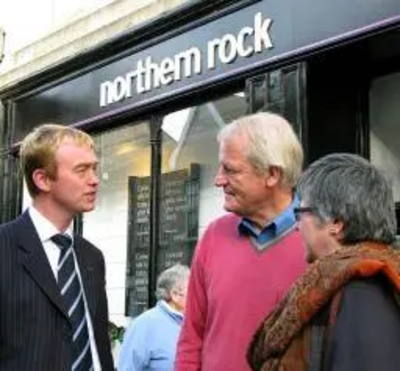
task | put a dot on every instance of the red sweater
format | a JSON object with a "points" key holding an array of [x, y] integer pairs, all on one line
{"points": [[232, 288]]}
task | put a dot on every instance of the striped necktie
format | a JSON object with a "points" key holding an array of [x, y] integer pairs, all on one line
{"points": [[72, 293]]}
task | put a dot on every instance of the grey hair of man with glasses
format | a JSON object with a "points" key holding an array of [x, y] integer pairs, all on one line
{"points": [[347, 188], [173, 278]]}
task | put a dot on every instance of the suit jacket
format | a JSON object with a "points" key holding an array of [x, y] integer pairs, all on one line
{"points": [[35, 332]]}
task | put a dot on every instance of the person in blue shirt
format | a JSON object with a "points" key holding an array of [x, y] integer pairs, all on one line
{"points": [[150, 340]]}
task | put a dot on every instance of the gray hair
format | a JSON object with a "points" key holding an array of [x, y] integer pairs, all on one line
{"points": [[348, 188], [169, 278], [272, 142]]}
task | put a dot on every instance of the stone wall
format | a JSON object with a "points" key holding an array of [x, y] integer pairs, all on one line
{"points": [[81, 34]]}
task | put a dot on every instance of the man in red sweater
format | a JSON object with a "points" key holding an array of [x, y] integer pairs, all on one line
{"points": [[246, 260]]}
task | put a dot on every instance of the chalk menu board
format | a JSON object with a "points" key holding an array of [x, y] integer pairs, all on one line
{"points": [[178, 230]]}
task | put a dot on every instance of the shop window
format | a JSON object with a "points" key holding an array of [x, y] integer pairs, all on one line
{"points": [[122, 153], [384, 123], [384, 126], [189, 142], [187, 199]]}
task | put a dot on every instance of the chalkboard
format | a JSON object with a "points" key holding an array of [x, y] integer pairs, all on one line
{"points": [[178, 230]]}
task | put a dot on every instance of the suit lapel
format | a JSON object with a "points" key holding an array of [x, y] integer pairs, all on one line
{"points": [[87, 271], [35, 261]]}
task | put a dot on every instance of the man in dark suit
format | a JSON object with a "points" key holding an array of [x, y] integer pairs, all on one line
{"points": [[53, 305]]}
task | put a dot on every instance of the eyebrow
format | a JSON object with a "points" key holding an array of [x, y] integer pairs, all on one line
{"points": [[86, 164]]}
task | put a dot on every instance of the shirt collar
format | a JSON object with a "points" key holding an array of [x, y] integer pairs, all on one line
{"points": [[178, 316], [287, 218], [280, 224], [44, 228]]}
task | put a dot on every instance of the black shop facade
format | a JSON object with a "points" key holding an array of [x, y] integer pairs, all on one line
{"points": [[155, 97]]}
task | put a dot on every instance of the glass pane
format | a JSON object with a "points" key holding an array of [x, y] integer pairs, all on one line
{"points": [[190, 160], [123, 153], [384, 120], [384, 124]]}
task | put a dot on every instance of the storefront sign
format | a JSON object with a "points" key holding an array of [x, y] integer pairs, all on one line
{"points": [[220, 49], [149, 74]]}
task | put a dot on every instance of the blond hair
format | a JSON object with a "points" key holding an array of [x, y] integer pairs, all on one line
{"points": [[38, 150]]}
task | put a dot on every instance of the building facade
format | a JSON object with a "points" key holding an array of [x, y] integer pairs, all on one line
{"points": [[155, 96]]}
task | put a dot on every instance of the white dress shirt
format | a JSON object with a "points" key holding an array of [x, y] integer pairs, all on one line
{"points": [[45, 229]]}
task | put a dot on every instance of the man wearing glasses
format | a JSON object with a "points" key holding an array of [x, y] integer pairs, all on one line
{"points": [[248, 258]]}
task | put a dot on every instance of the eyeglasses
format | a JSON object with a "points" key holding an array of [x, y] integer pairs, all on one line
{"points": [[301, 210]]}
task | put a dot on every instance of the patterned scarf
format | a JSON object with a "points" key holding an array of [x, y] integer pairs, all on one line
{"points": [[283, 340]]}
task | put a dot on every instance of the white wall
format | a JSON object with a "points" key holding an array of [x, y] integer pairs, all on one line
{"points": [[28, 21], [42, 33]]}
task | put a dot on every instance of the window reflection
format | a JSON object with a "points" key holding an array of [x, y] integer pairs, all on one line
{"points": [[122, 153], [384, 120], [196, 143]]}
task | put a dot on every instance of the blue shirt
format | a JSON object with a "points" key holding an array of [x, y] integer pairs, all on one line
{"points": [[271, 232], [150, 340]]}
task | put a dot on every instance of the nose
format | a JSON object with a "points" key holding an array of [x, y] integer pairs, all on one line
{"points": [[220, 179], [94, 177]]}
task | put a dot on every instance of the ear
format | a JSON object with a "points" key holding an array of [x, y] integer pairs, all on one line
{"points": [[273, 176], [41, 180], [174, 296], [336, 229]]}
